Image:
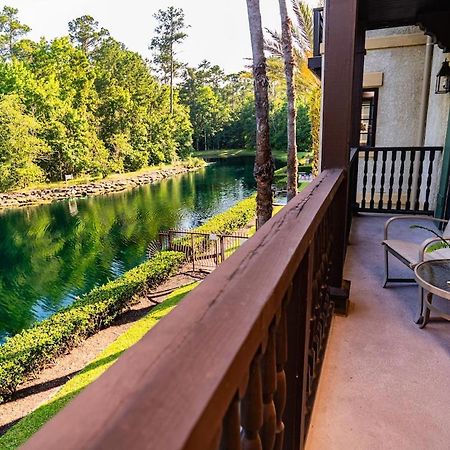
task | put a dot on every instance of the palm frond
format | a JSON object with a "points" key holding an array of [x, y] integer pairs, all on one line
{"points": [[273, 44], [303, 31]]}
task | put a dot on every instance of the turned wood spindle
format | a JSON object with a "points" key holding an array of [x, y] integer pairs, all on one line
{"points": [[231, 427], [269, 374], [280, 394], [252, 408]]}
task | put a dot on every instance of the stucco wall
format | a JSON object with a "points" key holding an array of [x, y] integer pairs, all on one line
{"points": [[399, 107], [399, 97]]}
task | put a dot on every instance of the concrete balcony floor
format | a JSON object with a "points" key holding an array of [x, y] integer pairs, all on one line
{"points": [[385, 383]]}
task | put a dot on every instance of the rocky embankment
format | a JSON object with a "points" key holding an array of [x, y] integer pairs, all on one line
{"points": [[102, 187]]}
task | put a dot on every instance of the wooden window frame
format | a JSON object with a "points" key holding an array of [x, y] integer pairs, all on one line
{"points": [[372, 132]]}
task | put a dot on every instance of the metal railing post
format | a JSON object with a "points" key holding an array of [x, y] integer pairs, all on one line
{"points": [[193, 252]]}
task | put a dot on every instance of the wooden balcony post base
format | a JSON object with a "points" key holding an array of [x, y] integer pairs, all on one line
{"points": [[340, 296]]}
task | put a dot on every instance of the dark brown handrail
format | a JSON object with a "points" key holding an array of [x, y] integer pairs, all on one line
{"points": [[239, 358]]}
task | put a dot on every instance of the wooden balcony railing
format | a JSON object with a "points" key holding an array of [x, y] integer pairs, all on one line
{"points": [[395, 179], [236, 364]]}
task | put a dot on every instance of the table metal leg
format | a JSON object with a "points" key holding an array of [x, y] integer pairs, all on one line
{"points": [[420, 317], [426, 311]]}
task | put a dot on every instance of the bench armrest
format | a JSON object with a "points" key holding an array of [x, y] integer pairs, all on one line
{"points": [[390, 221], [425, 244]]}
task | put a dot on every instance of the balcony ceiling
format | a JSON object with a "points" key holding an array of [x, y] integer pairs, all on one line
{"points": [[433, 16]]}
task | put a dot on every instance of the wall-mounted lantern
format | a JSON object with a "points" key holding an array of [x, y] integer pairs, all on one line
{"points": [[443, 79]]}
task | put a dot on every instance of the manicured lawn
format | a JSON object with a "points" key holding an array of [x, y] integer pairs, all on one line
{"points": [[279, 155], [224, 153], [23, 430]]}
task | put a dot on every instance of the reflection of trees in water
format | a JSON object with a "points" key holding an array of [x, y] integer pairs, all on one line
{"points": [[52, 252]]}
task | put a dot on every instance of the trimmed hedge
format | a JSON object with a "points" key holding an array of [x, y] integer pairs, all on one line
{"points": [[29, 351], [21, 432], [231, 220]]}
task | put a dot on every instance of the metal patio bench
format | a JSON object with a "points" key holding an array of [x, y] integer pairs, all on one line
{"points": [[412, 253]]}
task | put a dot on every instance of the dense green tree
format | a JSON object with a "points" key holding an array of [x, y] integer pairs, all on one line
{"points": [[97, 105], [66, 109], [170, 31], [11, 30], [20, 147], [85, 33], [278, 126], [204, 91], [133, 104], [97, 108]]}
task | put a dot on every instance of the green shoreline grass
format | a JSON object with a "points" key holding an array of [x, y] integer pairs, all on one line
{"points": [[24, 429], [279, 155]]}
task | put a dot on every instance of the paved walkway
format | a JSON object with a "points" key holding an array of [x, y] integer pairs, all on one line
{"points": [[385, 383]]}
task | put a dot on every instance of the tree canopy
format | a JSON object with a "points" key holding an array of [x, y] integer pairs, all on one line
{"points": [[11, 30], [81, 104], [84, 104], [85, 33]]}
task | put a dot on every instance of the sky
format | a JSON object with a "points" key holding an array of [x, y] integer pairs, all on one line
{"points": [[218, 28]]}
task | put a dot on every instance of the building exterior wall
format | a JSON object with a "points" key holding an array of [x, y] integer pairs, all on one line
{"points": [[399, 96], [399, 100], [395, 64]]}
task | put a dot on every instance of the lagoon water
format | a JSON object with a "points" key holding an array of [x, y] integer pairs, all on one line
{"points": [[50, 254]]}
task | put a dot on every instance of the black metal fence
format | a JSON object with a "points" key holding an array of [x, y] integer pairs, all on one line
{"points": [[204, 250], [395, 179]]}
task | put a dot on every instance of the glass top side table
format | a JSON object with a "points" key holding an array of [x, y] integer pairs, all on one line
{"points": [[433, 277]]}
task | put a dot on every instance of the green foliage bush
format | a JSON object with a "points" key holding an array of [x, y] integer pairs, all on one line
{"points": [[231, 220], [20, 148], [28, 351], [191, 162], [235, 218]]}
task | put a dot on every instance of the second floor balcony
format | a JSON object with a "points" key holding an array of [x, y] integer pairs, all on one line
{"points": [[256, 357]]}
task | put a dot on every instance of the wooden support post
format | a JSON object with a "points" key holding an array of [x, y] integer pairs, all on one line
{"points": [[341, 112], [342, 82]]}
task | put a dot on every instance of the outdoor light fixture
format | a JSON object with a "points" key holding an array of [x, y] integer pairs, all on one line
{"points": [[443, 79]]}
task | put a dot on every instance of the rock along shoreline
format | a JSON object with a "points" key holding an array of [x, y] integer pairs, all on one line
{"points": [[101, 187]]}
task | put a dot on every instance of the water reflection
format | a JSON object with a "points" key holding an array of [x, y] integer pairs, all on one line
{"points": [[52, 253]]}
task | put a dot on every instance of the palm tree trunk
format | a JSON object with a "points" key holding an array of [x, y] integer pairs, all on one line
{"points": [[289, 64], [264, 168]]}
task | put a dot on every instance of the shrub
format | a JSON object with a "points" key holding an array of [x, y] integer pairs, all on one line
{"points": [[231, 220], [192, 162], [27, 352]]}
